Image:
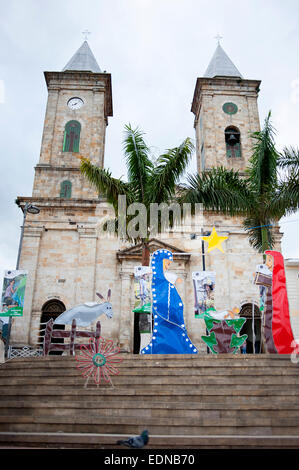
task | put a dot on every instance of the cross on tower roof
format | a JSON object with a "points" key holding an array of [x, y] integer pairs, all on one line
{"points": [[86, 33], [218, 37]]}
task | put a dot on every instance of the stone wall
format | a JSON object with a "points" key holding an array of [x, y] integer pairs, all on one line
{"points": [[69, 259], [55, 165]]}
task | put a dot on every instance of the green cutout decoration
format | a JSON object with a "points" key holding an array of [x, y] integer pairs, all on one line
{"points": [[210, 341], [237, 323], [237, 341], [210, 323], [223, 334]]}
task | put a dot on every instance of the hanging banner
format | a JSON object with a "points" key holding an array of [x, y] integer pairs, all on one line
{"points": [[142, 285], [142, 306], [204, 291], [13, 293]]}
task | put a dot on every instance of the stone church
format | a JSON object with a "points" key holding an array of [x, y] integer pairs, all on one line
{"points": [[67, 258]]}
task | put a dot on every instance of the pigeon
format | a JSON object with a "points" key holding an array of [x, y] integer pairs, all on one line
{"points": [[136, 442]]}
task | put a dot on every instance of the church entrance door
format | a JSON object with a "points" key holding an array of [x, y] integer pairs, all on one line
{"points": [[253, 322], [52, 309]]}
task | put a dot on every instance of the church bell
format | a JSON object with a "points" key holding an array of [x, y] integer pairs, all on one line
{"points": [[232, 140]]}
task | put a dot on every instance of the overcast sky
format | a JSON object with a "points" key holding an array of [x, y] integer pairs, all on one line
{"points": [[155, 50]]}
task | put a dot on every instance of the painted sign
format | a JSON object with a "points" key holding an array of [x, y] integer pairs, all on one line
{"points": [[204, 290], [142, 285], [13, 293]]}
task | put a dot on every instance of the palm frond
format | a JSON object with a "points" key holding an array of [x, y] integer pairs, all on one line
{"points": [[255, 227], [262, 169], [105, 184], [287, 195], [220, 190], [168, 169], [289, 159], [138, 162]]}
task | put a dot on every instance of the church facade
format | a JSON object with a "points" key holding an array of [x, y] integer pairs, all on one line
{"points": [[67, 257]]}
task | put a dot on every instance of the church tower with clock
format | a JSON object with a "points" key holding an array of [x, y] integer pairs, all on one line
{"points": [[79, 103], [60, 243]]}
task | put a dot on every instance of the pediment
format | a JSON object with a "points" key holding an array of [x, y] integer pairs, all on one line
{"points": [[135, 252]]}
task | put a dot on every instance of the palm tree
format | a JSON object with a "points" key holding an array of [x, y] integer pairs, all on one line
{"points": [[148, 181], [261, 197], [289, 184]]}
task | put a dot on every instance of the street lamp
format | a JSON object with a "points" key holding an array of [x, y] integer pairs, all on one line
{"points": [[32, 210]]}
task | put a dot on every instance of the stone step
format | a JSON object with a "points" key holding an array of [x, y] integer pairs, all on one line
{"points": [[71, 371], [152, 381], [206, 397], [223, 400], [136, 404], [108, 441], [135, 360], [170, 412], [185, 391], [86, 418], [151, 389], [154, 425]]}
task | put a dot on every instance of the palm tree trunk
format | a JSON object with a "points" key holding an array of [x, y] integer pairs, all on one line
{"points": [[265, 242], [265, 246], [145, 254]]}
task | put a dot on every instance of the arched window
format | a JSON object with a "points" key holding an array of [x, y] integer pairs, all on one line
{"points": [[71, 136], [66, 189], [233, 143]]}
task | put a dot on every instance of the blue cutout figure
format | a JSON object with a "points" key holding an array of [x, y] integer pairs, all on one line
{"points": [[169, 331]]}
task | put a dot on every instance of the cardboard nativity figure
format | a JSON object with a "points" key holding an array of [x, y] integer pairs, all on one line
{"points": [[277, 329], [169, 332]]}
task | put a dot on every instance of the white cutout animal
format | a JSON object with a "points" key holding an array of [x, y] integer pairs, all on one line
{"points": [[86, 313]]}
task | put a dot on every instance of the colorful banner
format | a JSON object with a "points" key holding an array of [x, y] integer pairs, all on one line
{"points": [[13, 293], [142, 285], [204, 291], [142, 306]]}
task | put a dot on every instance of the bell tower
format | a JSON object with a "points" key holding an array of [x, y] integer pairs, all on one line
{"points": [[60, 248], [226, 112], [79, 103]]}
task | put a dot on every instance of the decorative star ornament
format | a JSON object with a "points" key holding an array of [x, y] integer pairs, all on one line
{"points": [[98, 360], [214, 241]]}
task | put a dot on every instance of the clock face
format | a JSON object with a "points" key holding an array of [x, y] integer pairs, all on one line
{"points": [[75, 103], [230, 108]]}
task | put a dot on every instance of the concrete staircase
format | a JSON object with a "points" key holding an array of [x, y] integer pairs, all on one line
{"points": [[184, 401]]}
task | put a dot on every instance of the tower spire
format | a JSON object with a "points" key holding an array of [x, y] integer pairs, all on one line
{"points": [[83, 60], [221, 65]]}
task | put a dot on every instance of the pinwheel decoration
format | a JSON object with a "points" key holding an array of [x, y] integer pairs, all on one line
{"points": [[97, 360]]}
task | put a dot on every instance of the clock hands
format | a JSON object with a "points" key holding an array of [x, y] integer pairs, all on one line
{"points": [[75, 103]]}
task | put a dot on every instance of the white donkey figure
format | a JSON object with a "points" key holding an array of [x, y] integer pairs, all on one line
{"points": [[85, 314]]}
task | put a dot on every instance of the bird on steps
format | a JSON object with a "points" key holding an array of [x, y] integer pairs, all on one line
{"points": [[136, 442]]}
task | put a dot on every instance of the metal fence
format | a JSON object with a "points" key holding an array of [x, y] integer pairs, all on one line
{"points": [[25, 351]]}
